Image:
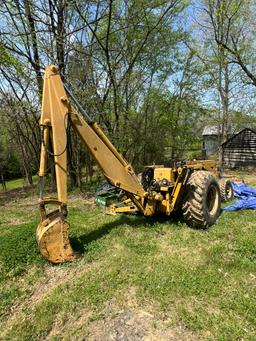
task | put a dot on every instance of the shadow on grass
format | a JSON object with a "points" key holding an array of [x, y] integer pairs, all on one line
{"points": [[80, 243]]}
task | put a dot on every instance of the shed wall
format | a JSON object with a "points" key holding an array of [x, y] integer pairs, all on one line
{"points": [[240, 151], [211, 144]]}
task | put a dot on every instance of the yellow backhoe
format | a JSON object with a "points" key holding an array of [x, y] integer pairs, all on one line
{"points": [[190, 188]]}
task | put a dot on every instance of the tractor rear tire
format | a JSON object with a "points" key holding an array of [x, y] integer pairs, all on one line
{"points": [[201, 206], [226, 190]]}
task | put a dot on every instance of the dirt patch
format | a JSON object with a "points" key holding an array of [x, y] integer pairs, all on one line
{"points": [[54, 276], [81, 200], [11, 195], [248, 177], [136, 325], [12, 221], [129, 323], [122, 325], [28, 196]]}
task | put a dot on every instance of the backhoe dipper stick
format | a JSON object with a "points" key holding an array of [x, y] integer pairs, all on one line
{"points": [[57, 112]]}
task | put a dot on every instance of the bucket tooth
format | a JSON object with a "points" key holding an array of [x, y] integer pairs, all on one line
{"points": [[53, 240]]}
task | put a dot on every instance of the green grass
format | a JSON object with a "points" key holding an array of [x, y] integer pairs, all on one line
{"points": [[203, 281], [18, 183]]}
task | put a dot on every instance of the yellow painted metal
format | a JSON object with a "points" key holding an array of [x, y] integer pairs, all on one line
{"points": [[53, 240], [114, 210], [106, 141], [164, 188], [150, 207], [209, 165], [52, 232], [54, 115], [44, 154], [168, 207], [175, 194], [163, 173], [114, 167], [137, 200]]}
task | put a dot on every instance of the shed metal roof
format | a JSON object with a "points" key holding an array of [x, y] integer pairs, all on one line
{"points": [[214, 130], [234, 136], [211, 130]]}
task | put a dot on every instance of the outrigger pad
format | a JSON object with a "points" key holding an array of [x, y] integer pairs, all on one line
{"points": [[53, 240]]}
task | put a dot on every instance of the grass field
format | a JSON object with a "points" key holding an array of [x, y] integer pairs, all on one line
{"points": [[17, 183], [137, 279]]}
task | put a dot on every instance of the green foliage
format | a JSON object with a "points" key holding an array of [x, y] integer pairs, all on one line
{"points": [[137, 67], [241, 120], [9, 160], [8, 60], [130, 71]]}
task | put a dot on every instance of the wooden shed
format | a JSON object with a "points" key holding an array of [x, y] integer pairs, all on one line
{"points": [[210, 140], [240, 150]]}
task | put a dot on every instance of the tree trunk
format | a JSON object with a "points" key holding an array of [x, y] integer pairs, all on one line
{"points": [[36, 59]]}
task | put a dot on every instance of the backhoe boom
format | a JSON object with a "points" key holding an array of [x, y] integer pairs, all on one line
{"points": [[57, 112]]}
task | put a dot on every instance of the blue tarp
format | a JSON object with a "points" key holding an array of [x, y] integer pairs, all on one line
{"points": [[247, 197]]}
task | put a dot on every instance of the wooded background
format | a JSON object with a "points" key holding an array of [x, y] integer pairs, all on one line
{"points": [[152, 73]]}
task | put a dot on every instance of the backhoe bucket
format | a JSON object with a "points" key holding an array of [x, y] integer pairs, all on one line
{"points": [[53, 240]]}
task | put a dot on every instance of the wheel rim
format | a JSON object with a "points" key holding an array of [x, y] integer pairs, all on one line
{"points": [[229, 191], [212, 200]]}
